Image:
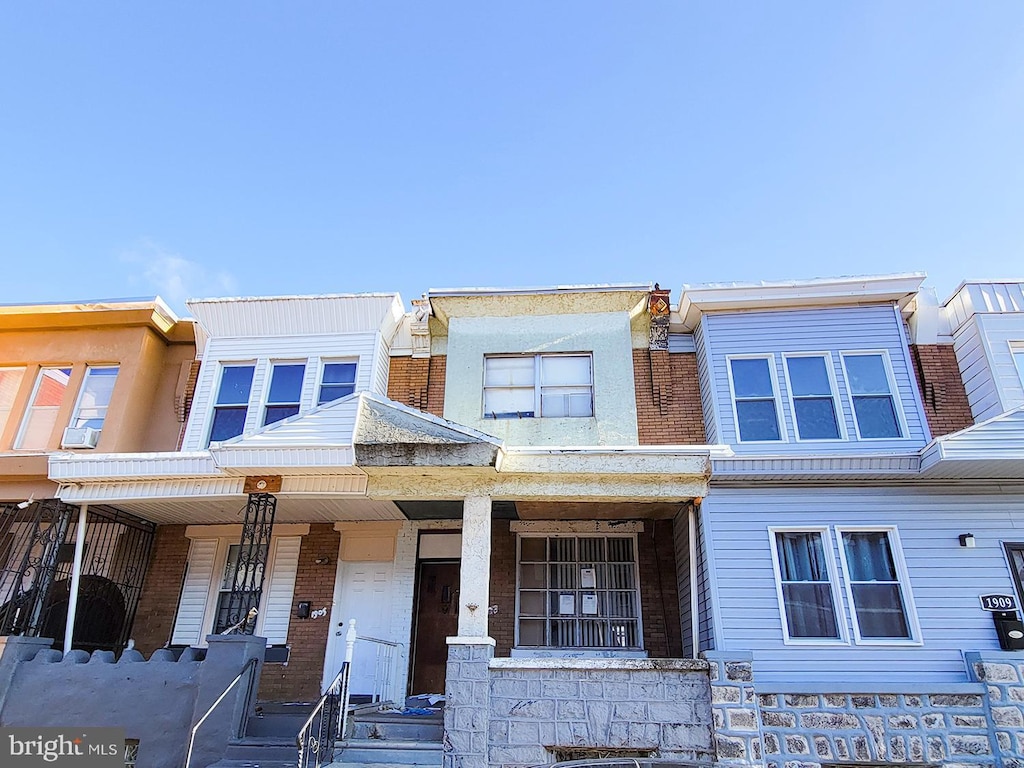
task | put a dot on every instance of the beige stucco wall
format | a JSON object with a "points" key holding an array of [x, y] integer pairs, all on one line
{"points": [[606, 335], [142, 414]]}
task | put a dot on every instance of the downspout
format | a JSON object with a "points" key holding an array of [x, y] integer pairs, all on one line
{"points": [[694, 607], [76, 577]]}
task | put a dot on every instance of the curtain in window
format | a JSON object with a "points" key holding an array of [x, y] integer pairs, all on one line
{"points": [[806, 589], [875, 585]]}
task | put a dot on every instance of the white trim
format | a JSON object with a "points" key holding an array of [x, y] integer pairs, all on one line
{"points": [[908, 365], [264, 396], [837, 407], [839, 613], [322, 363], [780, 419], [235, 531], [909, 607], [894, 393], [81, 391], [573, 527]]}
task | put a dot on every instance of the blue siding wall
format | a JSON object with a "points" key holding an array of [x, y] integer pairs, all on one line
{"points": [[819, 330], [945, 579], [706, 588], [707, 387]]}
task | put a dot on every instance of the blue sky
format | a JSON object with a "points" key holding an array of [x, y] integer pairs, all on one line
{"points": [[260, 148]]}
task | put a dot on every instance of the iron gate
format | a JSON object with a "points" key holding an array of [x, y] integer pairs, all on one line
{"points": [[37, 546]]}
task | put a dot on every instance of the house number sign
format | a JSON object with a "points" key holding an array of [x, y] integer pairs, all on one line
{"points": [[998, 602]]}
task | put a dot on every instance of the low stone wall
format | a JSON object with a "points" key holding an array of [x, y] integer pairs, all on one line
{"points": [[526, 709], [1002, 674], [155, 701]]}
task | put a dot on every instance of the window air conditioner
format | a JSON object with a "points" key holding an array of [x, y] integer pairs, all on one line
{"points": [[80, 437]]}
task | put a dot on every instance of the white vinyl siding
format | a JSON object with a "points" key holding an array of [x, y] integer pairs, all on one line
{"points": [[279, 589], [195, 593], [725, 336], [314, 350]]}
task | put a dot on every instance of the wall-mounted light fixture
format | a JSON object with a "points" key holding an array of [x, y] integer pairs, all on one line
{"points": [[322, 560], [967, 540]]}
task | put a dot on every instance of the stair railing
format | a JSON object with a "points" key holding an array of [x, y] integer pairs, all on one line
{"points": [[326, 723], [383, 669], [249, 668]]}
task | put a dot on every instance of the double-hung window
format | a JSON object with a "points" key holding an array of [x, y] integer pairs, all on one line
{"points": [[881, 609], [94, 399], [578, 592], [755, 398], [548, 386], [871, 389], [232, 403], [337, 380], [10, 381], [804, 573], [285, 391], [812, 394], [874, 582], [41, 417], [232, 606]]}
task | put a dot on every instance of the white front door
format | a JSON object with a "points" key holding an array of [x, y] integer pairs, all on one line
{"points": [[364, 594]]}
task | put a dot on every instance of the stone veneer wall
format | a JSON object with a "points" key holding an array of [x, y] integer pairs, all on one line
{"points": [[975, 723], [516, 712]]}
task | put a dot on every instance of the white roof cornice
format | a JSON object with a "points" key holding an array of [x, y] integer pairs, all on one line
{"points": [[792, 294]]}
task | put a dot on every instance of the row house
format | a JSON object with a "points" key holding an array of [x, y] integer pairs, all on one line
{"points": [[751, 528]]}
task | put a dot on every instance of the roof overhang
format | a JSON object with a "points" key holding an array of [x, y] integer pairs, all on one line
{"points": [[113, 313], [790, 294]]}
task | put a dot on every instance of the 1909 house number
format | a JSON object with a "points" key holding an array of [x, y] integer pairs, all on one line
{"points": [[998, 602]]}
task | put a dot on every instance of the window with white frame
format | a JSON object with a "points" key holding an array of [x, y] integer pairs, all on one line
{"points": [[804, 573], [1017, 351], [875, 584], [285, 391], [578, 592], [872, 392], [812, 394], [232, 403], [755, 398], [44, 406], [94, 399], [881, 610], [337, 380], [546, 386], [10, 381]]}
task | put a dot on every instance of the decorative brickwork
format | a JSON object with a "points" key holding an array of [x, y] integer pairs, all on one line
{"points": [[299, 680], [501, 625], [154, 618], [418, 382], [668, 406], [942, 388]]}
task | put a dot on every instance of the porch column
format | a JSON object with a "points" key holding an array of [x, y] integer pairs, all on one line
{"points": [[76, 577], [475, 575], [467, 698]]}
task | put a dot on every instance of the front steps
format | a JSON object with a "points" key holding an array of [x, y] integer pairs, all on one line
{"points": [[391, 740]]}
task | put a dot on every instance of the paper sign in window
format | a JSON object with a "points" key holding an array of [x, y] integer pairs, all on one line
{"points": [[590, 605], [588, 578], [567, 605]]}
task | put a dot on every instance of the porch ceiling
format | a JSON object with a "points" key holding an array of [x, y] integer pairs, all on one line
{"points": [[570, 510], [290, 509]]}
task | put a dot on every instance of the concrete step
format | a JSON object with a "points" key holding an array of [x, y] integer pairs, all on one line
{"points": [[275, 725], [398, 728], [379, 751], [263, 750], [253, 764]]}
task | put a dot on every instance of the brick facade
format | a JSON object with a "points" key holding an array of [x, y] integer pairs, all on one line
{"points": [[502, 625], [154, 618], [942, 388], [668, 406], [418, 382], [299, 679]]}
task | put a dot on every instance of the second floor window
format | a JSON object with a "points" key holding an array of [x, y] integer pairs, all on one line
{"points": [[232, 403], [10, 380], [874, 406], [338, 380], [814, 407], [1017, 350], [285, 391], [550, 386], [41, 417], [94, 399], [753, 389]]}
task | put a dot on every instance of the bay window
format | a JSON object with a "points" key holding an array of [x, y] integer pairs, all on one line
{"points": [[871, 389], [810, 388], [755, 400], [232, 403], [285, 391]]}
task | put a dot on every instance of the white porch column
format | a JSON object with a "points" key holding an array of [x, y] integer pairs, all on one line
{"points": [[76, 577], [475, 575]]}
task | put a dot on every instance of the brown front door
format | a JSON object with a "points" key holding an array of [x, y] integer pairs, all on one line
{"points": [[437, 618]]}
